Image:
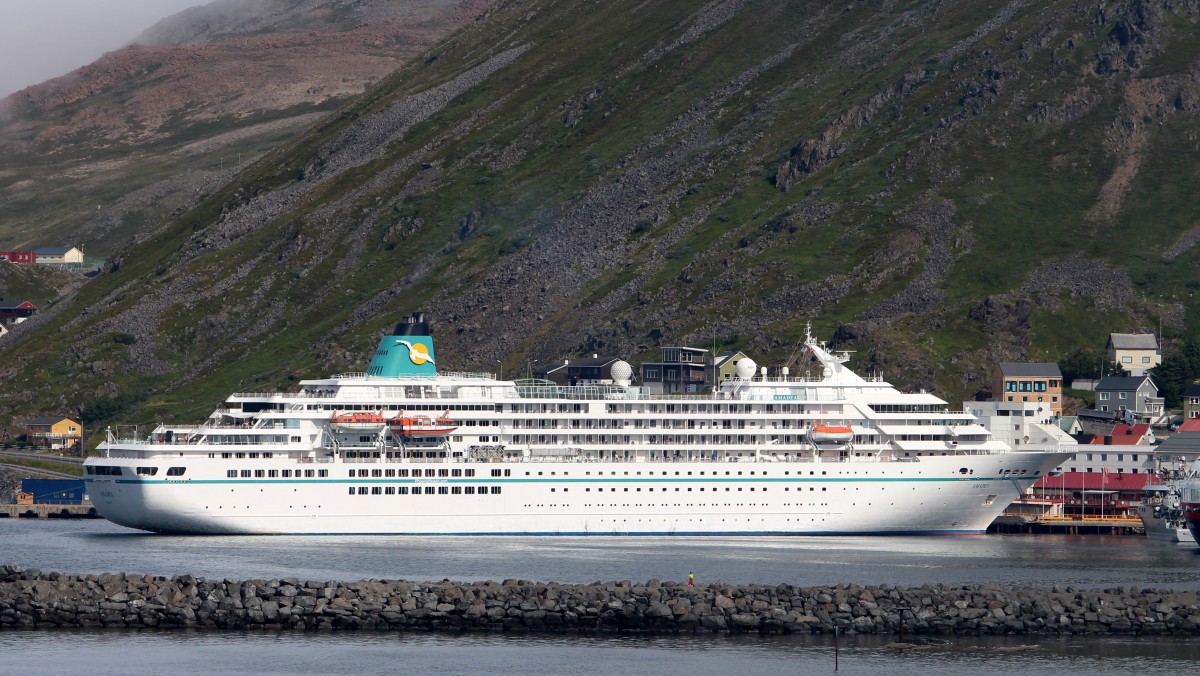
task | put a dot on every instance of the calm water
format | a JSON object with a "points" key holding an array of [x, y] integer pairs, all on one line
{"points": [[31, 653], [98, 546]]}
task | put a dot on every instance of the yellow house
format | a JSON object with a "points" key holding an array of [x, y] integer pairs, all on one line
{"points": [[65, 256], [1135, 353], [722, 367], [53, 431]]}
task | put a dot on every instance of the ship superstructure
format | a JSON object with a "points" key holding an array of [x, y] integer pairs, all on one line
{"points": [[405, 448]]}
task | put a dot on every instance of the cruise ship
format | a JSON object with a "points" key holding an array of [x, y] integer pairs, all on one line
{"points": [[408, 448]]}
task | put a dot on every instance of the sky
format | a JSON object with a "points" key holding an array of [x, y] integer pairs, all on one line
{"points": [[42, 39]]}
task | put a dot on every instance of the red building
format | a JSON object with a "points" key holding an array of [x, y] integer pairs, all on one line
{"points": [[19, 256], [1091, 494]]}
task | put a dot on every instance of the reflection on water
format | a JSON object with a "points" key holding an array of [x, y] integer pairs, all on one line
{"points": [[109, 652], [98, 546]]}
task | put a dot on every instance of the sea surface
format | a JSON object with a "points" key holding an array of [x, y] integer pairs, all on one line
{"points": [[96, 546]]}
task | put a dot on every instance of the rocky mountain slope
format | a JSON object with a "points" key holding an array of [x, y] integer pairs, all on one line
{"points": [[106, 152], [938, 185]]}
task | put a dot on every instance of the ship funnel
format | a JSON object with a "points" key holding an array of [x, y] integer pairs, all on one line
{"points": [[408, 351]]}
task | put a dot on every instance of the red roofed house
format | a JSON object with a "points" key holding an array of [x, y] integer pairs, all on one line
{"points": [[15, 313], [1131, 435]]}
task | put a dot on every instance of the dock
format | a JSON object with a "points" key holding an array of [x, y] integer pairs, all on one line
{"points": [[1092, 524], [82, 511]]}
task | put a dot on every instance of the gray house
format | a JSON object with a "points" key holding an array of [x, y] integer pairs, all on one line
{"points": [[1130, 399]]}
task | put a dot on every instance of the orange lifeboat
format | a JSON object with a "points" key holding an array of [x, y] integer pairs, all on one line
{"points": [[357, 420], [831, 434], [422, 425]]}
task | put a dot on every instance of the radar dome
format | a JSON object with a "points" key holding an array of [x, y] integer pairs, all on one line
{"points": [[622, 372], [746, 368]]}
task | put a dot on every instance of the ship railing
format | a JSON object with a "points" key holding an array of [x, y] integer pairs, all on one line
{"points": [[360, 375], [124, 453]]}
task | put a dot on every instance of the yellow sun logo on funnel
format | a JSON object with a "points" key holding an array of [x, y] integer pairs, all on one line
{"points": [[417, 354]]}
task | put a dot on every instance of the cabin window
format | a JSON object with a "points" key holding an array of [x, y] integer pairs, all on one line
{"points": [[176, 471], [232, 474], [147, 471]]}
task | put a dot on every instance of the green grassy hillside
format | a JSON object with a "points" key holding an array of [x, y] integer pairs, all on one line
{"points": [[943, 186]]}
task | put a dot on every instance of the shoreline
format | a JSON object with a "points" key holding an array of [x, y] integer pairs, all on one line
{"points": [[32, 599]]}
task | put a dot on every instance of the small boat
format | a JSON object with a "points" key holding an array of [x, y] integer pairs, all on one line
{"points": [[831, 434], [422, 425], [1162, 515], [357, 420]]}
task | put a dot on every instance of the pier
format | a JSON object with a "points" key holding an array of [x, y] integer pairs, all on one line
{"points": [[1070, 524]]}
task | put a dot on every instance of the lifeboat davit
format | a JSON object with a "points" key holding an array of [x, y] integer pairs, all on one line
{"points": [[357, 420], [831, 434], [422, 425]]}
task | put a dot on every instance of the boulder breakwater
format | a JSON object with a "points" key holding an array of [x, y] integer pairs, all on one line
{"points": [[35, 599]]}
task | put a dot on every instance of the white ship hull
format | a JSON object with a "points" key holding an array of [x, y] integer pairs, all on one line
{"points": [[548, 460], [556, 498]]}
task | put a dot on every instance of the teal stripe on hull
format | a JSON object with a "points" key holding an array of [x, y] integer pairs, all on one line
{"points": [[434, 481]]}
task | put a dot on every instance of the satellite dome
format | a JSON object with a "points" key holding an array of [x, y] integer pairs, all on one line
{"points": [[621, 372], [746, 368]]}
